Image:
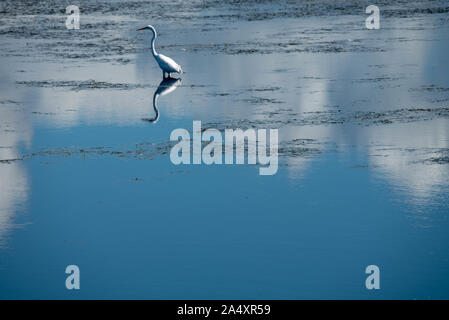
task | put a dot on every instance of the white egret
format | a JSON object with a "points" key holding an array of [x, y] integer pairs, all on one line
{"points": [[168, 65]]}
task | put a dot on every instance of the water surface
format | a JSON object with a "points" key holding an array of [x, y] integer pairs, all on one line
{"points": [[363, 121]]}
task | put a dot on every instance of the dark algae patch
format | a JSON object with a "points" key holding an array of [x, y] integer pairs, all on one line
{"points": [[83, 85]]}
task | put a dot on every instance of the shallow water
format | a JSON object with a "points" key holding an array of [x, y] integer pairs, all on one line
{"points": [[363, 118]]}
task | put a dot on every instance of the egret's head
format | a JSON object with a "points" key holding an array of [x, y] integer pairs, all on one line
{"points": [[147, 27]]}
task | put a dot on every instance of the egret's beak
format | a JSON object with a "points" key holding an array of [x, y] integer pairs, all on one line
{"points": [[143, 28]]}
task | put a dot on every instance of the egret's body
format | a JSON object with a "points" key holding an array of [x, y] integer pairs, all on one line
{"points": [[168, 65]]}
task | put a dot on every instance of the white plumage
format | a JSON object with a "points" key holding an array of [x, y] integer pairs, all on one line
{"points": [[168, 65]]}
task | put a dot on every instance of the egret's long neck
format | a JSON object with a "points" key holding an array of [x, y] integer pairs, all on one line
{"points": [[153, 50]]}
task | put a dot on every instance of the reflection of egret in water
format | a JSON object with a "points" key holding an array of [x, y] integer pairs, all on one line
{"points": [[167, 86]]}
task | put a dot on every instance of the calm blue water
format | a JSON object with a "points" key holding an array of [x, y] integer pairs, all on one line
{"points": [[94, 185]]}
